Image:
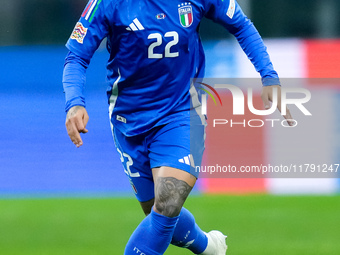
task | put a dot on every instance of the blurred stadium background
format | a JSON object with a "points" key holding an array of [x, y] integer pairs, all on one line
{"points": [[56, 199]]}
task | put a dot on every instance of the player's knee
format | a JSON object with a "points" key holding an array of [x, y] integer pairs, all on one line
{"points": [[169, 210], [171, 194]]}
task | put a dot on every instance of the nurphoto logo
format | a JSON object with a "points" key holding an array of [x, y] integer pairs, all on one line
{"points": [[239, 104]]}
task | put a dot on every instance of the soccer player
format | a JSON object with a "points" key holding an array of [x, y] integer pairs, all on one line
{"points": [[155, 115]]}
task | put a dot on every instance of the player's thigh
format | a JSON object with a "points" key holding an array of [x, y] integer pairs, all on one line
{"points": [[178, 174], [178, 145], [134, 157]]}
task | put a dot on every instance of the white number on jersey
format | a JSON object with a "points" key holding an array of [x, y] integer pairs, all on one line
{"points": [[158, 37]]}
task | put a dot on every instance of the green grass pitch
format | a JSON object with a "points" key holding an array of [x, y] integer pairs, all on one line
{"points": [[257, 224]]}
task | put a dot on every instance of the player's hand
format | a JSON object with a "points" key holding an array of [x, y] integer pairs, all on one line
{"points": [[267, 98], [76, 121]]}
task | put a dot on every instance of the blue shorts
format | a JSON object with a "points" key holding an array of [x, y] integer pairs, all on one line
{"points": [[179, 144]]}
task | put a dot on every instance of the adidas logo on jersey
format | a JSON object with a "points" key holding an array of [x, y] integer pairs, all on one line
{"points": [[188, 160], [135, 25]]}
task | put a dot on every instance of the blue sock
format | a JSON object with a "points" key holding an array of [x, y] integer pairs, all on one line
{"points": [[152, 236], [187, 233]]}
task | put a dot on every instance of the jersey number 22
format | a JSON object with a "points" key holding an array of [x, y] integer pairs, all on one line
{"points": [[167, 53]]}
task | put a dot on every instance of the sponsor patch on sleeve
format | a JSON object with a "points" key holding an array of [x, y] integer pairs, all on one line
{"points": [[79, 33], [231, 10]]}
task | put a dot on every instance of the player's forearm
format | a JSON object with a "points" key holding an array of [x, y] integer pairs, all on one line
{"points": [[253, 45], [74, 76]]}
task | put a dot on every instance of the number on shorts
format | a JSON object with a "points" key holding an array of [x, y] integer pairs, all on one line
{"points": [[128, 164]]}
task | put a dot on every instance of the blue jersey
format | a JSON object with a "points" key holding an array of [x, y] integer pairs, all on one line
{"points": [[155, 50]]}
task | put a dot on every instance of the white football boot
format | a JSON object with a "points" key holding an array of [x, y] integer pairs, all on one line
{"points": [[216, 243]]}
